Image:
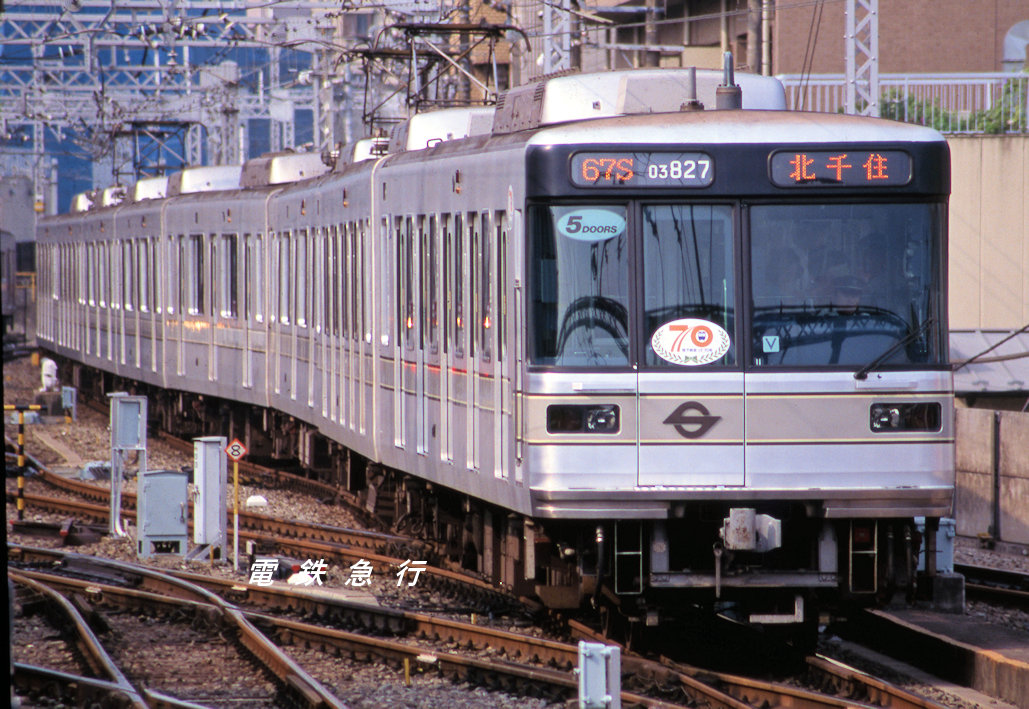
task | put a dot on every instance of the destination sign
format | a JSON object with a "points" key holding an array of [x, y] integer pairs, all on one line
{"points": [[642, 170], [839, 168]]}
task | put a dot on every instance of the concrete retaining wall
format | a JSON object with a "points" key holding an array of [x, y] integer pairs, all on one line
{"points": [[982, 454]]}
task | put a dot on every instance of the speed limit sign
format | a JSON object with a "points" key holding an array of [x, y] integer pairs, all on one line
{"points": [[236, 450]]}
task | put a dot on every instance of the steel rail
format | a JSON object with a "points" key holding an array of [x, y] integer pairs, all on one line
{"points": [[305, 687], [852, 682], [297, 545], [90, 648], [1001, 586], [84, 691], [353, 537]]}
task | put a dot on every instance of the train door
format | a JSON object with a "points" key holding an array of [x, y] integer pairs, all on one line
{"points": [[690, 389]]}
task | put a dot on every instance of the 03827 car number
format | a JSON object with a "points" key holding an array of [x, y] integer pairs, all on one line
{"points": [[642, 169]]}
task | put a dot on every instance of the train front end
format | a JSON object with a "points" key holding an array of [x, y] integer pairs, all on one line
{"points": [[737, 390]]}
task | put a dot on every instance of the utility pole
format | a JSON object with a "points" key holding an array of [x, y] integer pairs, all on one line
{"points": [[861, 39]]}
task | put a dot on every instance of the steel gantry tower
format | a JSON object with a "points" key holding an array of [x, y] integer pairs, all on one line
{"points": [[861, 39], [148, 84]]}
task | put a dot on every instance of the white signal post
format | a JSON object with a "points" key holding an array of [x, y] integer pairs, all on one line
{"points": [[235, 450]]}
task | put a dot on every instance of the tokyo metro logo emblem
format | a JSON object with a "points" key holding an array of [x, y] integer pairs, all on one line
{"points": [[692, 419]]}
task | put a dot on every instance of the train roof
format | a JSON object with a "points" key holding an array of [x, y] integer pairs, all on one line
{"points": [[736, 127], [425, 130], [281, 168], [81, 202], [150, 188], [617, 93], [204, 179], [113, 196]]}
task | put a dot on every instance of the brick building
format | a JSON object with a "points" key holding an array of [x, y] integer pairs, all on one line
{"points": [[915, 36]]}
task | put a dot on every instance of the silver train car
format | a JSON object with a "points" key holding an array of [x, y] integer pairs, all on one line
{"points": [[601, 343]]}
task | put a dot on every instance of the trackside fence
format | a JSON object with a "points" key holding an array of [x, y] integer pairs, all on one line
{"points": [[995, 103], [993, 475]]}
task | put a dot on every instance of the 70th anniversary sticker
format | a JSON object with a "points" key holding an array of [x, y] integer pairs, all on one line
{"points": [[690, 342]]}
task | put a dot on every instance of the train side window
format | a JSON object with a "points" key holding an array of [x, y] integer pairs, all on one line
{"points": [[315, 303], [410, 322], [474, 313], [386, 259], [116, 296], [156, 280], [215, 282], [257, 286], [126, 271], [228, 266], [273, 277], [422, 279], [194, 274], [447, 248], [284, 277], [432, 266], [106, 274], [331, 281], [249, 277], [143, 282], [363, 302], [347, 263], [90, 274], [501, 319], [301, 270], [485, 293], [458, 284], [53, 256]]}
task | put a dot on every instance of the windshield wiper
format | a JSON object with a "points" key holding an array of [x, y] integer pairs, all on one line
{"points": [[910, 337]]}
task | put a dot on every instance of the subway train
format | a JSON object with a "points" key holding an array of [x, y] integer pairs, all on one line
{"points": [[643, 340]]}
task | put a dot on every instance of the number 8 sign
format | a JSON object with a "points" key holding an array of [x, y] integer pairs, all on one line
{"points": [[236, 450]]}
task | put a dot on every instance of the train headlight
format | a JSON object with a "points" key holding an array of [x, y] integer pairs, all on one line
{"points": [[582, 418], [886, 418]]}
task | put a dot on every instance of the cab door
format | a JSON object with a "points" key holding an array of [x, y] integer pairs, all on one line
{"points": [[690, 388]]}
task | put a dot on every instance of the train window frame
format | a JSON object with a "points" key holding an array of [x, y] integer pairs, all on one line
{"points": [[198, 291], [143, 275], [502, 227], [285, 287], [228, 266], [430, 305], [533, 230], [731, 360], [458, 285], [300, 291], [934, 271], [81, 276], [407, 241], [387, 314], [317, 290], [485, 315]]}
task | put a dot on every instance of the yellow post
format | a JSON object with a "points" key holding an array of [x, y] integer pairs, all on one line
{"points": [[21, 409], [235, 515]]}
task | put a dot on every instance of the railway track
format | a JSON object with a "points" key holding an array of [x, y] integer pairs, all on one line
{"points": [[470, 591], [155, 592], [88, 673], [1010, 588], [515, 662]]}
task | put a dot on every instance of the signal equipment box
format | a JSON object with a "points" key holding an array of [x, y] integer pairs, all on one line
{"points": [[209, 486], [162, 513]]}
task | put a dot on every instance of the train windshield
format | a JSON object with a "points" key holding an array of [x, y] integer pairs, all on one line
{"points": [[688, 285], [581, 295], [842, 284], [655, 284]]}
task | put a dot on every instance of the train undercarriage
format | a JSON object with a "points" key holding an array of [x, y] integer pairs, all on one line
{"points": [[772, 564]]}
